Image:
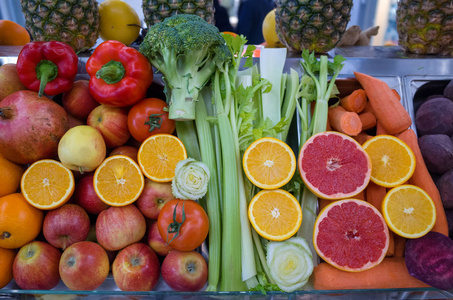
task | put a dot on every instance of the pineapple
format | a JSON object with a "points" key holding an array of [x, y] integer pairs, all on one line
{"points": [[425, 27], [315, 25], [156, 11], [75, 22]]}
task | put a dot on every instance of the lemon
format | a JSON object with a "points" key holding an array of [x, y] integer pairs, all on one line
{"points": [[118, 21], [269, 32]]}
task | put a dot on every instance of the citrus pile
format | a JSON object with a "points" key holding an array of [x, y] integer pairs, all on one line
{"points": [[158, 156], [334, 166], [275, 214], [351, 235], [269, 163], [393, 162]]}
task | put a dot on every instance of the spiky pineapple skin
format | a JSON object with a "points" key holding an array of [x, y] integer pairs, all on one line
{"points": [[315, 25], [156, 11], [75, 22], [425, 27]]}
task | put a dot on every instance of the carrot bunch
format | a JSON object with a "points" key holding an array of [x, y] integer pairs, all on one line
{"points": [[375, 108]]}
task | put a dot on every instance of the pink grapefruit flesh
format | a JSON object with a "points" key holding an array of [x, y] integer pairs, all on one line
{"points": [[334, 166], [351, 235]]}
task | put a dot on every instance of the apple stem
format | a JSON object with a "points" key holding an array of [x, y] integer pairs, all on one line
{"points": [[175, 227]]}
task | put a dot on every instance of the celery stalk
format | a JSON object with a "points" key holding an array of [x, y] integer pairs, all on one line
{"points": [[319, 72], [231, 273], [188, 135], [208, 156]]}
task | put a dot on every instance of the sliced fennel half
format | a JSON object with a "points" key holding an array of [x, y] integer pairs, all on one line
{"points": [[290, 263]]}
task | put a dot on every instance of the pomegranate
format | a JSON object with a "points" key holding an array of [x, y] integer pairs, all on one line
{"points": [[30, 127]]}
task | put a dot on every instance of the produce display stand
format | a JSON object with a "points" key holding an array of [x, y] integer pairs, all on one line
{"points": [[406, 73]]}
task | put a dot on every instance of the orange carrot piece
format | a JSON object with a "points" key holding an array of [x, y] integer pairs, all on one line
{"points": [[380, 129], [375, 195], [355, 101], [360, 196], [368, 108], [368, 120], [423, 179], [362, 137], [387, 108], [396, 94], [344, 121], [400, 245], [389, 274], [391, 248], [323, 203]]}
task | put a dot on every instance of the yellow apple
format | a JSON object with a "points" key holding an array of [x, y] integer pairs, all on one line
{"points": [[82, 148]]}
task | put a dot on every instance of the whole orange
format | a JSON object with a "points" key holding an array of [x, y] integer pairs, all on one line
{"points": [[20, 222], [6, 266], [10, 175], [13, 34]]}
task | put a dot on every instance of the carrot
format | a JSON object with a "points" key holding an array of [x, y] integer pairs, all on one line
{"points": [[360, 196], [355, 101], [362, 137], [344, 121], [368, 120], [380, 129], [375, 195], [323, 203], [396, 94], [387, 108], [368, 108], [400, 245], [423, 180], [391, 273]]}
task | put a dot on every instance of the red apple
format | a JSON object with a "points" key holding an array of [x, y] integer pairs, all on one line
{"points": [[154, 197], [78, 100], [73, 121], [118, 227], [35, 266], [184, 270], [111, 122], [155, 241], [85, 195], [136, 268], [66, 225], [84, 266], [126, 150]]}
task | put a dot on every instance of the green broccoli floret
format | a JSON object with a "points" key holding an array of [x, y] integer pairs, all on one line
{"points": [[186, 50]]}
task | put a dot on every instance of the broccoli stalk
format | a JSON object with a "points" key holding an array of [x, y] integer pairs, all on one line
{"points": [[186, 50]]}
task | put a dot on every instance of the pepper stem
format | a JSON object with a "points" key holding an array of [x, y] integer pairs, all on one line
{"points": [[46, 71], [112, 72]]}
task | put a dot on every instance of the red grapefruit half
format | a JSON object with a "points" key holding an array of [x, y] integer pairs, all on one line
{"points": [[351, 235], [334, 166]]}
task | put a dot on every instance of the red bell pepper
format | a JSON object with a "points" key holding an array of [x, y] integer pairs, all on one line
{"points": [[47, 67], [119, 75]]}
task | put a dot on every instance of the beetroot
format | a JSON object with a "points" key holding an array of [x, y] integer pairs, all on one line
{"points": [[437, 152], [449, 214], [445, 187], [448, 91], [435, 116], [430, 259], [30, 127]]}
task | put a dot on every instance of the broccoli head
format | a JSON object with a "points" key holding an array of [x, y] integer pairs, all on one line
{"points": [[186, 50]]}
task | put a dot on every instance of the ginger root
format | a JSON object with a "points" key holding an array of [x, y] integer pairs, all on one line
{"points": [[354, 36]]}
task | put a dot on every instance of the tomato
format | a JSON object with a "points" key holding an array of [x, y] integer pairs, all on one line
{"points": [[148, 117], [116, 17], [189, 232]]}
